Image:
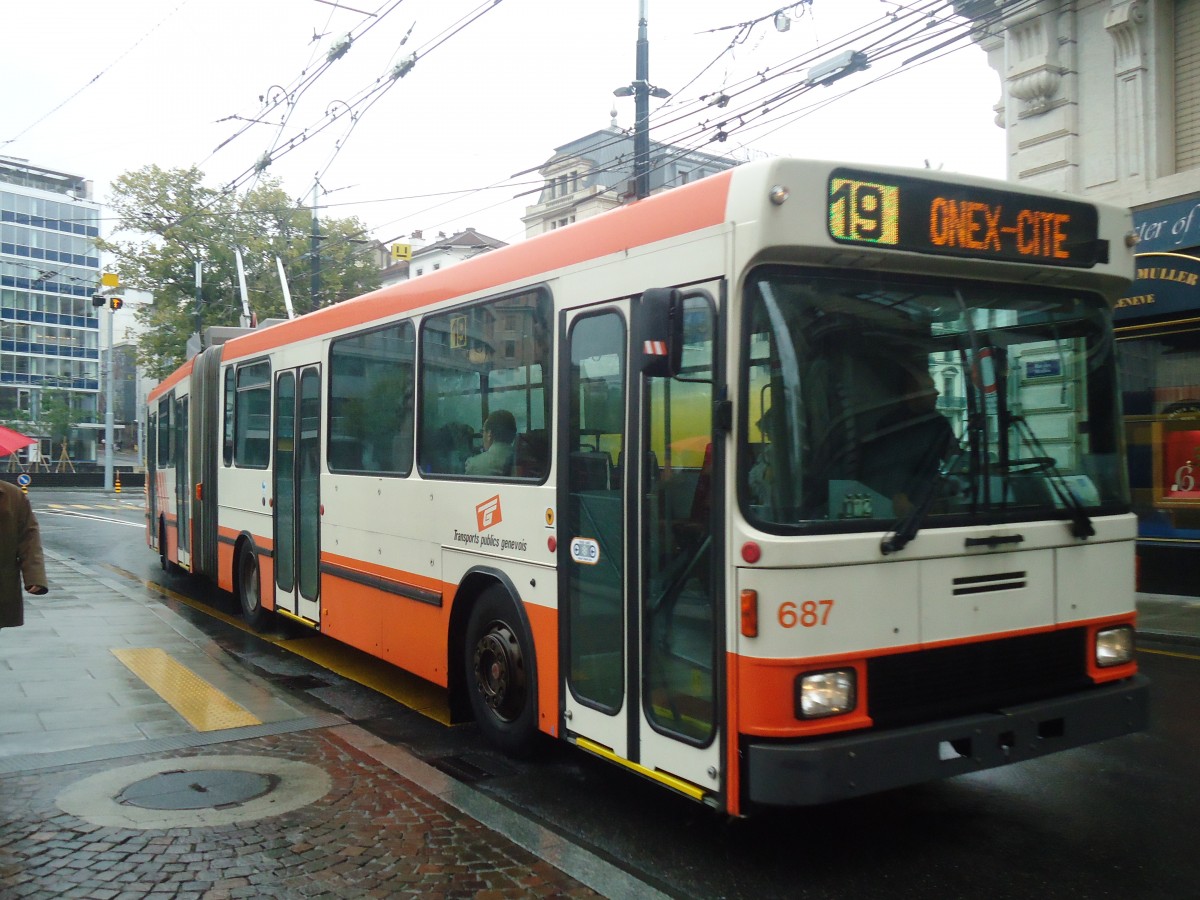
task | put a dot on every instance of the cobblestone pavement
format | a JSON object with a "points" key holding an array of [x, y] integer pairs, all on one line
{"points": [[374, 834], [344, 814]]}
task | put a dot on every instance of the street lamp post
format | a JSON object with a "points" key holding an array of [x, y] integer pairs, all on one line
{"points": [[109, 394], [642, 91]]}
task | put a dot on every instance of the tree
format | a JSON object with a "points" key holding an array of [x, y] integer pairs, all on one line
{"points": [[175, 221], [58, 417]]}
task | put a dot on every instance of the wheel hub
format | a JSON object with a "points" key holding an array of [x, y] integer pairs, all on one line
{"points": [[500, 671]]}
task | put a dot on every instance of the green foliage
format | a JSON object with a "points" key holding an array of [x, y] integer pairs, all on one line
{"points": [[174, 221], [58, 416]]}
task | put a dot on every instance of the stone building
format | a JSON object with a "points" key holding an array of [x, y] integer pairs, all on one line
{"points": [[1102, 98]]}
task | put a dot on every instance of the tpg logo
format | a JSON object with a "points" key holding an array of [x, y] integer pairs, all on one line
{"points": [[487, 513]]}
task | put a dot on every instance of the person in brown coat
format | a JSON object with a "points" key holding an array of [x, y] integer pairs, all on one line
{"points": [[21, 557]]}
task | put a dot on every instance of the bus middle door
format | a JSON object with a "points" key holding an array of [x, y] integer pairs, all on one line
{"points": [[296, 488], [640, 620]]}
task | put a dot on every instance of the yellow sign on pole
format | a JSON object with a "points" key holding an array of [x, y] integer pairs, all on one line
{"points": [[401, 251], [110, 279]]}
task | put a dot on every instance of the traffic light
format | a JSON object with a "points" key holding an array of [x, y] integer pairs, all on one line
{"points": [[115, 302], [97, 300]]}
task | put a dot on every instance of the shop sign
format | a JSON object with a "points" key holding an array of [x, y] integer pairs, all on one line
{"points": [[1165, 284]]}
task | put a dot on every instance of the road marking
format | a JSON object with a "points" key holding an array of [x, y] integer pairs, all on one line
{"points": [[1168, 653], [205, 707], [407, 689], [72, 514]]}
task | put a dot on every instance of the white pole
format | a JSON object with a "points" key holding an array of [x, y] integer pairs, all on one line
{"points": [[242, 284], [109, 381], [287, 294]]}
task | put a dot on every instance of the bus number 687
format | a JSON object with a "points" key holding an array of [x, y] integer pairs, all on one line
{"points": [[808, 614]]}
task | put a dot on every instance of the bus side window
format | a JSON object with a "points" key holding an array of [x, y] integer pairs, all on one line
{"points": [[371, 401], [484, 397], [227, 435]]}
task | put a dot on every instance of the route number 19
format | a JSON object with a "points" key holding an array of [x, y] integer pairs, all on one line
{"points": [[862, 211]]}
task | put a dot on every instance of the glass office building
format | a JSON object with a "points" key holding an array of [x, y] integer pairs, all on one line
{"points": [[49, 270]]}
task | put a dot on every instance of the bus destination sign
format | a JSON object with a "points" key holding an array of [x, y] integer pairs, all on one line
{"points": [[926, 216]]}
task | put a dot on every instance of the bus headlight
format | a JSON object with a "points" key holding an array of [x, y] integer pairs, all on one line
{"points": [[1114, 646], [821, 694]]}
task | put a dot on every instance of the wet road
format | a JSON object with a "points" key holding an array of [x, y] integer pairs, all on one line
{"points": [[1111, 820]]}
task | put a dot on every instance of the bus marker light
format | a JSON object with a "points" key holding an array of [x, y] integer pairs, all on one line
{"points": [[551, 543], [751, 552], [749, 613]]}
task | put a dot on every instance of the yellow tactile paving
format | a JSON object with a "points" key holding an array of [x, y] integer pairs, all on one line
{"points": [[415, 693], [204, 707]]}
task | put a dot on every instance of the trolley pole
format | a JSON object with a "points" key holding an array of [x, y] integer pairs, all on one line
{"points": [[315, 284]]}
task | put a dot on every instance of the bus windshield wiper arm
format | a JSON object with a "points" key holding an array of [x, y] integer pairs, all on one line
{"points": [[1081, 523], [906, 528]]}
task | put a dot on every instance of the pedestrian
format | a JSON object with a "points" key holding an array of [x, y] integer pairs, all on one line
{"points": [[21, 559]]}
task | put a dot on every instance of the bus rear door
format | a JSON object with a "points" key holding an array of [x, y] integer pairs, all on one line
{"points": [[640, 618], [296, 484]]}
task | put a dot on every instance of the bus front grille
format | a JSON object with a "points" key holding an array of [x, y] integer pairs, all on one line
{"points": [[925, 685]]}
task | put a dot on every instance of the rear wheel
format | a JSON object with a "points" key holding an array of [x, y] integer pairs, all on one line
{"points": [[499, 669], [249, 586]]}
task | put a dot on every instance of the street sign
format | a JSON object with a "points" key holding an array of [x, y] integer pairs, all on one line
{"points": [[24, 480]]}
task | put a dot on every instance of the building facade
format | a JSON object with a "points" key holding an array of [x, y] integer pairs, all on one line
{"points": [[49, 330], [425, 257], [593, 174], [1102, 98]]}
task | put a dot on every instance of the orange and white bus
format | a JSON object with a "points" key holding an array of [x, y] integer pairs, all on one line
{"points": [[795, 483]]}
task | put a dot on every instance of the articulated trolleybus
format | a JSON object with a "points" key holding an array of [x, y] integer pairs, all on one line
{"points": [[796, 483]]}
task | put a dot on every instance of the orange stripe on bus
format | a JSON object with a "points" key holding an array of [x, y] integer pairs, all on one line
{"points": [[676, 212], [171, 380]]}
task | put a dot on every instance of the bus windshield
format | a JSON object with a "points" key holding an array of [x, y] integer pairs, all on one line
{"points": [[875, 399]]}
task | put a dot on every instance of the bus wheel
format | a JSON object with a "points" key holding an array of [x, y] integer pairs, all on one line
{"points": [[499, 673], [249, 589]]}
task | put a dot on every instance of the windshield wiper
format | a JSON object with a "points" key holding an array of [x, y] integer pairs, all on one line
{"points": [[906, 528], [1081, 523]]}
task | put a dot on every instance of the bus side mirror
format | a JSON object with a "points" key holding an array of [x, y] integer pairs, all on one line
{"points": [[659, 331]]}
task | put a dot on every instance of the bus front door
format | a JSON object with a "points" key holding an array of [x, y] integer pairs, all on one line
{"points": [[638, 536], [296, 483]]}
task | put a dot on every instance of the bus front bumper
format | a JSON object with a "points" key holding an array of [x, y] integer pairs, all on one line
{"points": [[779, 774]]}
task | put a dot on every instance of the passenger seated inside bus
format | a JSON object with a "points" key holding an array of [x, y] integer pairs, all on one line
{"points": [[496, 458]]}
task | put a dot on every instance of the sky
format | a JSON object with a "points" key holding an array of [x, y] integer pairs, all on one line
{"points": [[102, 88]]}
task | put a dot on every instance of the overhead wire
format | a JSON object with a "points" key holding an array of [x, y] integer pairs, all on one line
{"points": [[97, 76]]}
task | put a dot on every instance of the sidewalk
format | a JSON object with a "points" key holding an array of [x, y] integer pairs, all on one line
{"points": [[1169, 618], [109, 791]]}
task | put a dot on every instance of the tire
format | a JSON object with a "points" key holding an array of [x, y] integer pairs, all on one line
{"points": [[500, 675], [249, 585]]}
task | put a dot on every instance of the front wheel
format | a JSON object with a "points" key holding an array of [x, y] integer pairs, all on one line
{"points": [[249, 587], [499, 670]]}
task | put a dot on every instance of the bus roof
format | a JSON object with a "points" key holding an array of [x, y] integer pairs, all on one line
{"points": [[692, 207]]}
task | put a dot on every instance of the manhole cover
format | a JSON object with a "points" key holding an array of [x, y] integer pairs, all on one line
{"points": [[193, 792], [214, 789]]}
